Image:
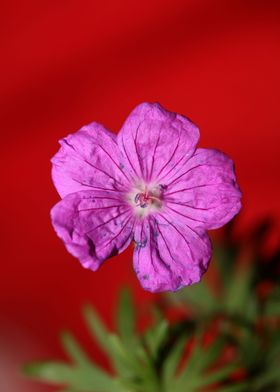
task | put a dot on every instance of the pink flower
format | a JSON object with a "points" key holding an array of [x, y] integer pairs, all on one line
{"points": [[150, 185]]}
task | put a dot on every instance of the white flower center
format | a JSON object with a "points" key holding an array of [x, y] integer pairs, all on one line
{"points": [[146, 198]]}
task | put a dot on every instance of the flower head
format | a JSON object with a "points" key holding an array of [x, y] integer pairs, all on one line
{"points": [[150, 185]]}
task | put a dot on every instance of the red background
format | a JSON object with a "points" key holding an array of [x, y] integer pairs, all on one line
{"points": [[66, 63]]}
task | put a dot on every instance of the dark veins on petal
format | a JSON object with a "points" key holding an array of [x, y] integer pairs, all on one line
{"points": [[124, 226], [169, 160], [174, 181], [96, 167], [109, 220]]}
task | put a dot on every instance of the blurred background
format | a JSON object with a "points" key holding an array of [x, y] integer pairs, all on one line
{"points": [[67, 63]]}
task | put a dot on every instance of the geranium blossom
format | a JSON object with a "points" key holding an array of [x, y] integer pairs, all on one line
{"points": [[149, 184]]}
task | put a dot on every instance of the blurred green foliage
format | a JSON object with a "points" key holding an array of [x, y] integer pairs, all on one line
{"points": [[226, 339]]}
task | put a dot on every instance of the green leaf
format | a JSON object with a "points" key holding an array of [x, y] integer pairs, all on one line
{"points": [[198, 297], [74, 350], [225, 260], [126, 317], [100, 333], [52, 371], [238, 299], [172, 361], [266, 379], [97, 329], [272, 306], [239, 387], [137, 371], [250, 347], [125, 360], [127, 363], [209, 355], [82, 379], [155, 337], [218, 375], [195, 374]]}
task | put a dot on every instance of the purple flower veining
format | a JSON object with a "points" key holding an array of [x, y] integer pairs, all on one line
{"points": [[149, 184]]}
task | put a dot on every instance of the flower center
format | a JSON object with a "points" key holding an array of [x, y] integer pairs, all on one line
{"points": [[146, 199]]}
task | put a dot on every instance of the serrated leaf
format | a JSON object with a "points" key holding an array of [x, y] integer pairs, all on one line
{"points": [[124, 360], [136, 372], [100, 333], [123, 356], [195, 374]]}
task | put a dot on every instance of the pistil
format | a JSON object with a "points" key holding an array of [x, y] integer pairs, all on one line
{"points": [[146, 198], [143, 199]]}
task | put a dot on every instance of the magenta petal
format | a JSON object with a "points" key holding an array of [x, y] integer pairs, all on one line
{"points": [[93, 225], [88, 159], [149, 184], [169, 256], [154, 141], [206, 193]]}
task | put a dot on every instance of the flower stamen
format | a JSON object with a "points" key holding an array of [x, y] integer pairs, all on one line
{"points": [[143, 199], [146, 198]]}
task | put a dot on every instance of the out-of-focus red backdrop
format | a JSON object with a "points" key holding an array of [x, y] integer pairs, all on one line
{"points": [[66, 63]]}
